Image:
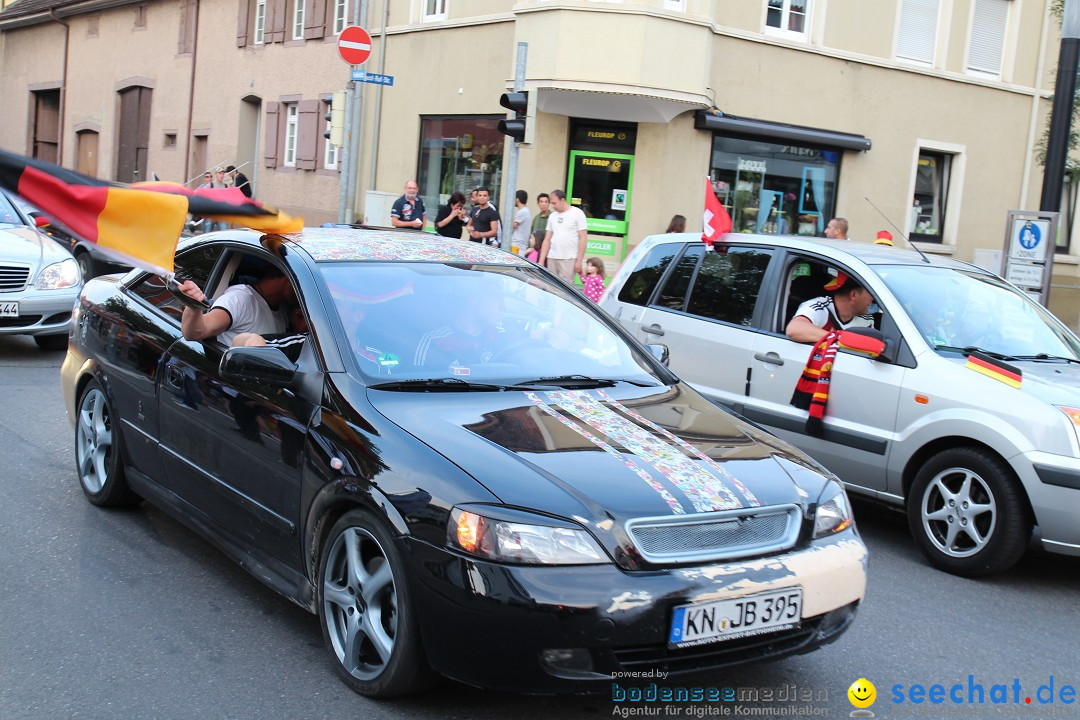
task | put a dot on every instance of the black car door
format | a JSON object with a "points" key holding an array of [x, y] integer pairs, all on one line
{"points": [[232, 450]]}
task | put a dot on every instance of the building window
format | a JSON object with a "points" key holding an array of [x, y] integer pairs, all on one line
{"points": [[330, 151], [675, 5], [339, 16], [298, 20], [170, 140], [916, 36], [186, 42], [788, 18], [140, 16], [774, 188], [459, 153], [292, 116], [932, 176], [93, 24], [989, 19], [434, 10], [260, 22]]}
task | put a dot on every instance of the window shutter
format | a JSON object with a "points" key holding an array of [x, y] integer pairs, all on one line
{"points": [[315, 20], [242, 23], [918, 30], [307, 134], [276, 21], [270, 154], [988, 24]]}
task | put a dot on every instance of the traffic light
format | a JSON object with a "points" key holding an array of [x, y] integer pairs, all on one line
{"points": [[520, 127], [336, 117]]}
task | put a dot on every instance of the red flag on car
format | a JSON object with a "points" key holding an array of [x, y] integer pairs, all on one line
{"points": [[717, 221], [139, 224]]}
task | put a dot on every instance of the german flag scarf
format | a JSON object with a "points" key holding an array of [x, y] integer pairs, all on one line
{"points": [[139, 224], [812, 390]]}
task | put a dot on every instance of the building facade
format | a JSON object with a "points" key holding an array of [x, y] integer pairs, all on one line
{"points": [[796, 110]]}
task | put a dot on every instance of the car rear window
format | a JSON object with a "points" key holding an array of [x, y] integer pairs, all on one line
{"points": [[727, 285], [642, 281]]}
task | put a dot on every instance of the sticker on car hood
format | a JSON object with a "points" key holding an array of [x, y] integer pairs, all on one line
{"points": [[703, 481]]}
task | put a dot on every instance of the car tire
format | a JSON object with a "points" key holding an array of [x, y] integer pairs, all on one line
{"points": [[97, 451], [968, 514], [88, 266], [51, 343], [366, 611]]}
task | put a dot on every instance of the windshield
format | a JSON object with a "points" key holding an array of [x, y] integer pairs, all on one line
{"points": [[960, 309], [8, 214], [474, 323]]}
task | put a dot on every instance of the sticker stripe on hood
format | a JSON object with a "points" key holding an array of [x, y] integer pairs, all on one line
{"points": [[751, 499], [673, 503], [706, 491]]}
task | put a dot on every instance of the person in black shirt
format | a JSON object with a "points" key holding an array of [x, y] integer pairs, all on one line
{"points": [[239, 180], [451, 217], [484, 220], [408, 210]]}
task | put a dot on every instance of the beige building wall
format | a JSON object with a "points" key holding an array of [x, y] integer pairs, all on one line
{"points": [[24, 68]]}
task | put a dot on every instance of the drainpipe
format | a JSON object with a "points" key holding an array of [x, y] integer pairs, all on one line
{"points": [[63, 89], [378, 96], [191, 93]]}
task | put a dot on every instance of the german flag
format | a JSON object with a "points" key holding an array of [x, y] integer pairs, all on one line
{"points": [[139, 224], [994, 368]]}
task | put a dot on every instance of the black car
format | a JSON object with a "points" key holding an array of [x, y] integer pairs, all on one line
{"points": [[470, 470]]}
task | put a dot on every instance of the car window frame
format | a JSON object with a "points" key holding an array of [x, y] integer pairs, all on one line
{"points": [[755, 320]]}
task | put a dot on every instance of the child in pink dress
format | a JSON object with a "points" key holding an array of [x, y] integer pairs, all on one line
{"points": [[594, 278]]}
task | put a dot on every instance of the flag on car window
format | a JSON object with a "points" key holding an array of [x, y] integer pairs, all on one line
{"points": [[717, 221], [137, 224]]}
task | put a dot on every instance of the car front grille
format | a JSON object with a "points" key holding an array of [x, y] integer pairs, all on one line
{"points": [[13, 277], [22, 320], [727, 534]]}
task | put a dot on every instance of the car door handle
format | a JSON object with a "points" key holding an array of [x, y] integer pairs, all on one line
{"points": [[770, 357], [653, 329], [174, 377]]}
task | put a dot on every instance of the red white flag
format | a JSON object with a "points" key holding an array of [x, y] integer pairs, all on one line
{"points": [[717, 220]]}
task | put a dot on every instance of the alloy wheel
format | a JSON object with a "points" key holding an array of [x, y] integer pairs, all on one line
{"points": [[959, 512], [94, 441], [360, 603]]}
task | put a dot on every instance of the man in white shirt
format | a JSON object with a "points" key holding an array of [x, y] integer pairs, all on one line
{"points": [[522, 220], [564, 241], [847, 305], [258, 308]]}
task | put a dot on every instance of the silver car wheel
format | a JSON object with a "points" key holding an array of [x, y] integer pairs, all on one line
{"points": [[360, 603], [959, 512], [94, 441]]}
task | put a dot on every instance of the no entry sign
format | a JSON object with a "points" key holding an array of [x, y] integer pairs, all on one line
{"points": [[354, 44]]}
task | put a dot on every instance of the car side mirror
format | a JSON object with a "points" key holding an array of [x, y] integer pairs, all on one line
{"points": [[660, 352], [41, 221], [888, 355], [266, 365]]}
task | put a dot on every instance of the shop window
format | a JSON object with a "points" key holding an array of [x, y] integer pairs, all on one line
{"points": [[260, 22], [292, 121], [727, 285], [773, 188], [673, 295], [916, 37], [298, 20], [789, 18], [932, 177], [989, 19], [459, 153], [433, 10], [640, 285], [339, 16]]}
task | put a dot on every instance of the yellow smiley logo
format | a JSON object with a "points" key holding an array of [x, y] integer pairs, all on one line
{"points": [[862, 693]]}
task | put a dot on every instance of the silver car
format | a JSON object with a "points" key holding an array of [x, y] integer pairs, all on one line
{"points": [[979, 463], [39, 281]]}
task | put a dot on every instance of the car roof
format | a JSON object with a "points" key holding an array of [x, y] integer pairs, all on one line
{"points": [[378, 244], [842, 250]]}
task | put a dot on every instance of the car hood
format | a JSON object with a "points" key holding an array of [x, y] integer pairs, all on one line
{"points": [[602, 455], [1055, 382], [24, 245]]}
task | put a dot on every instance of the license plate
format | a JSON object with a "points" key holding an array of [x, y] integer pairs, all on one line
{"points": [[9, 309], [701, 623]]}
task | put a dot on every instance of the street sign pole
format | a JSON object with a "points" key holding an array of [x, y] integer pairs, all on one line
{"points": [[345, 162], [353, 112], [510, 173]]}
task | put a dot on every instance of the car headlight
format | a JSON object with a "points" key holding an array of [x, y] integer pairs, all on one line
{"points": [[833, 511], [526, 539], [1074, 419], [64, 274]]}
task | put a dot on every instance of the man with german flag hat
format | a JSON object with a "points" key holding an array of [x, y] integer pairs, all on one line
{"points": [[846, 305]]}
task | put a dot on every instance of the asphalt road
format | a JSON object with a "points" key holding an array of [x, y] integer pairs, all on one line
{"points": [[127, 614]]}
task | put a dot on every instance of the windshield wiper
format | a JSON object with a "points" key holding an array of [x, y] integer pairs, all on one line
{"points": [[1044, 356], [437, 385], [578, 381], [972, 348]]}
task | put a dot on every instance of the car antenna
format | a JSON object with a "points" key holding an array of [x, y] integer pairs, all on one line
{"points": [[898, 230]]}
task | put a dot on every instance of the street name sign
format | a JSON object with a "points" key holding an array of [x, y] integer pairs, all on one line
{"points": [[374, 78]]}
